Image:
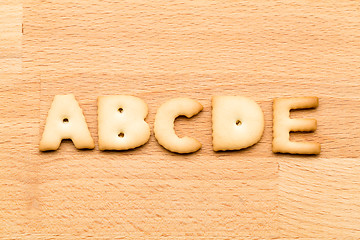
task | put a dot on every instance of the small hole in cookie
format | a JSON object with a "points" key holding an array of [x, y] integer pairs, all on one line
{"points": [[238, 122], [121, 135], [120, 110], [65, 120]]}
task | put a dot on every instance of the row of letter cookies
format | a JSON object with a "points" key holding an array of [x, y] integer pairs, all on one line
{"points": [[237, 123]]}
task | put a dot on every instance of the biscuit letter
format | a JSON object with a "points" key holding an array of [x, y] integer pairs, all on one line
{"points": [[121, 123], [65, 120], [164, 125], [237, 122], [283, 124]]}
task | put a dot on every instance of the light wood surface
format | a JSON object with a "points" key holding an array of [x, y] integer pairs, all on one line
{"points": [[158, 50]]}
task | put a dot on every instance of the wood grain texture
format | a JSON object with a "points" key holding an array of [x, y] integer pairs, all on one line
{"points": [[158, 50]]}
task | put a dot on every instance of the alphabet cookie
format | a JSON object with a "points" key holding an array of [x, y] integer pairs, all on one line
{"points": [[164, 125], [65, 120], [121, 123], [283, 124], [237, 122]]}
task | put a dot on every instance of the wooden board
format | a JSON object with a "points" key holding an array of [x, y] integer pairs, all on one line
{"points": [[158, 50]]}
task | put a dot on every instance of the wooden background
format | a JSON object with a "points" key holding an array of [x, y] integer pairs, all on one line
{"points": [[158, 50]]}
